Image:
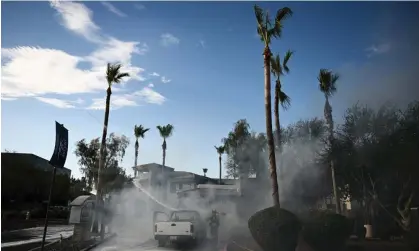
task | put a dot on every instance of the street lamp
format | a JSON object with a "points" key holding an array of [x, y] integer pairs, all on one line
{"points": [[205, 171]]}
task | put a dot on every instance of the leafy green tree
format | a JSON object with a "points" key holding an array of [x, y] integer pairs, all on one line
{"points": [[113, 76], [234, 147], [220, 151], [377, 160], [244, 151], [139, 132], [88, 158], [165, 132], [78, 187], [256, 147], [327, 84], [267, 31]]}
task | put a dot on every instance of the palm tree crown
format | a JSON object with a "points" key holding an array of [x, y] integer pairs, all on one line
{"points": [[279, 69], [220, 149], [327, 82], [265, 28], [166, 131], [113, 74], [139, 131]]}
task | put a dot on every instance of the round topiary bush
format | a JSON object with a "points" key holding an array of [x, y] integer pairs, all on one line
{"points": [[275, 229], [326, 231]]}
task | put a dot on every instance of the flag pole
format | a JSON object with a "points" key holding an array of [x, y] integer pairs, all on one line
{"points": [[57, 160], [51, 190]]}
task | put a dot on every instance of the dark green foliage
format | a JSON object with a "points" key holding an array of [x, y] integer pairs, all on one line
{"points": [[376, 153], [325, 231], [78, 187], [244, 150], [113, 175], [275, 229]]}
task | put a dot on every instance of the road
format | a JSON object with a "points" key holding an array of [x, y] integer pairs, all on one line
{"points": [[150, 245], [30, 235], [131, 243]]}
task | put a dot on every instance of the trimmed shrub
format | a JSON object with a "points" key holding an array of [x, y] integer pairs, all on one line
{"points": [[275, 229], [326, 231]]}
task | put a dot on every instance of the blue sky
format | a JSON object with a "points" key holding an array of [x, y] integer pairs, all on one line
{"points": [[196, 65]]}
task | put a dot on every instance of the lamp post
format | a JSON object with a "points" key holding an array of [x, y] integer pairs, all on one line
{"points": [[205, 171]]}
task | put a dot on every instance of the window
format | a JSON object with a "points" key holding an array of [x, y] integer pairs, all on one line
{"points": [[185, 216]]}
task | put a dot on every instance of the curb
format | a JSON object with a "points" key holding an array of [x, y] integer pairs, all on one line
{"points": [[99, 242]]}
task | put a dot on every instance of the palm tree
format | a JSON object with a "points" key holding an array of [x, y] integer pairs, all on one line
{"points": [[327, 84], [267, 31], [165, 132], [139, 132], [113, 75], [279, 69], [220, 151]]}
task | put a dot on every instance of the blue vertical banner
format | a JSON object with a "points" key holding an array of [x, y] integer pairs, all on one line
{"points": [[61, 146]]}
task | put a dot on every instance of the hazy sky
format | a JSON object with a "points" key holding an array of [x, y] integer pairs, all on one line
{"points": [[195, 65]]}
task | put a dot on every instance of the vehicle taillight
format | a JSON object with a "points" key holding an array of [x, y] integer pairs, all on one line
{"points": [[155, 228], [191, 229]]}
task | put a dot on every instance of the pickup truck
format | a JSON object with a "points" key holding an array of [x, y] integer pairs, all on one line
{"points": [[185, 226]]}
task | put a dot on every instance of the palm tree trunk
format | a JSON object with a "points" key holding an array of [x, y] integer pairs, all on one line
{"points": [[335, 192], [269, 133], [164, 152], [163, 179], [101, 164], [278, 127], [136, 156], [276, 112], [219, 160], [329, 120]]}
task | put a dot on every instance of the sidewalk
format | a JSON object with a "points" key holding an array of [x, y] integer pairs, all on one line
{"points": [[33, 235]]}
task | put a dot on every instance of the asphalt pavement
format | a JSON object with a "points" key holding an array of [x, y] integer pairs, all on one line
{"points": [[128, 243]]}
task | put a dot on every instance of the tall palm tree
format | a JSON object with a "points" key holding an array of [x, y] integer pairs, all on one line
{"points": [[279, 69], [220, 151], [139, 132], [327, 84], [113, 76], [267, 31], [165, 132]]}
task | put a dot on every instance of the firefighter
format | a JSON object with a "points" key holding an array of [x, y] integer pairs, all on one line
{"points": [[214, 223]]}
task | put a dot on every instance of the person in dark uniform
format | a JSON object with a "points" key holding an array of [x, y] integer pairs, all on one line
{"points": [[214, 223]]}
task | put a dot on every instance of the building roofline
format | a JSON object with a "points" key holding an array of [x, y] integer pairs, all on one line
{"points": [[144, 167], [33, 155]]}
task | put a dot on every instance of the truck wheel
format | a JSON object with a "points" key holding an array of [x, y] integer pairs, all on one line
{"points": [[161, 243]]}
